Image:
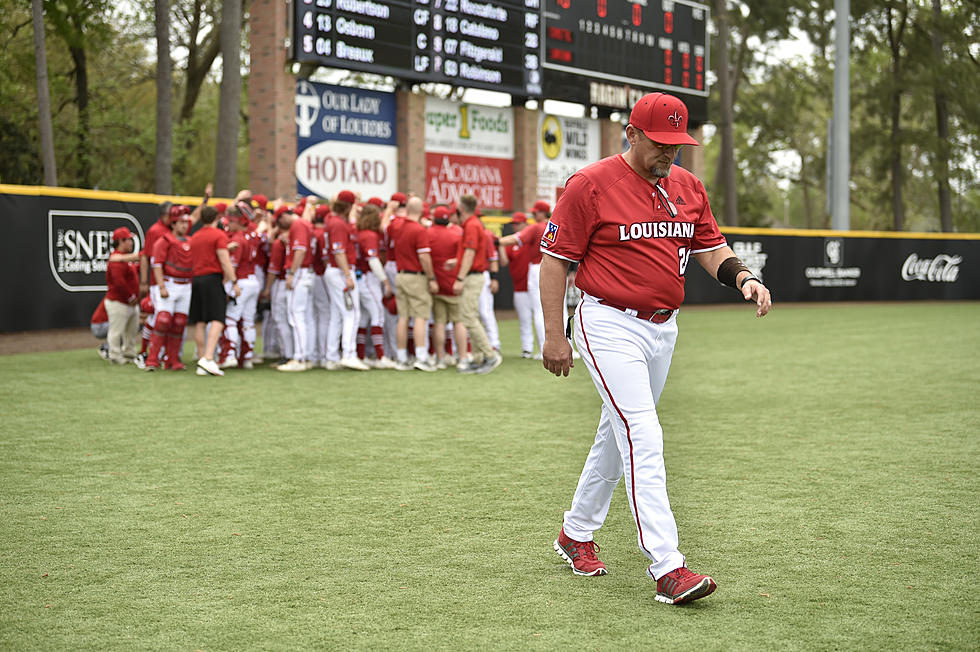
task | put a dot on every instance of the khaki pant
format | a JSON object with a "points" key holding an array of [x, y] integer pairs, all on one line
{"points": [[469, 313], [412, 296], [124, 330], [445, 309]]}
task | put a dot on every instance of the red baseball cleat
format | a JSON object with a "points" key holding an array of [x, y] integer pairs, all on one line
{"points": [[682, 585], [580, 555], [177, 366]]}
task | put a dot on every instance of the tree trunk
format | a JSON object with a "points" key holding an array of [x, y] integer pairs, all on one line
{"points": [[896, 164], [43, 96], [230, 99], [942, 126], [163, 160], [805, 185], [82, 154], [726, 160]]}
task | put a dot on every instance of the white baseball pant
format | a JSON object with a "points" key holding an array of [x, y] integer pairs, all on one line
{"points": [[342, 330], [525, 320], [178, 301], [280, 316], [321, 317], [628, 359], [487, 315], [391, 321], [243, 308], [298, 301]]}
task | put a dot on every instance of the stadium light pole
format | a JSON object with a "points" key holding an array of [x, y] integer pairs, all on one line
{"points": [[840, 214]]}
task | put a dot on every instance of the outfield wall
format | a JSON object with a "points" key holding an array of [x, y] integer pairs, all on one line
{"points": [[57, 242]]}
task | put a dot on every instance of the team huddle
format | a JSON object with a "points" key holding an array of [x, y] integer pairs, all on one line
{"points": [[352, 284]]}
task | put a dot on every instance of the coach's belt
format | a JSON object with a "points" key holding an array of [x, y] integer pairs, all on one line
{"points": [[406, 271], [658, 316], [177, 280]]}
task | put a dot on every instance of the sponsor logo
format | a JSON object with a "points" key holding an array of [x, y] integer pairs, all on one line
{"points": [[752, 255], [551, 136], [307, 108], [79, 246], [944, 268], [833, 274], [550, 234], [680, 201], [448, 177]]}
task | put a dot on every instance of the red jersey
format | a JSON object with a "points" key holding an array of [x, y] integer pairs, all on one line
{"points": [[243, 256], [492, 254], [633, 239], [473, 238], [156, 231], [277, 259], [518, 260], [339, 240], [100, 316], [300, 239], [391, 234], [443, 245], [204, 250], [368, 246], [262, 250], [319, 251], [530, 237], [173, 255], [412, 240], [123, 281]]}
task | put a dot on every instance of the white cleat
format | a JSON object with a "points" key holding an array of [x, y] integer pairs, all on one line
{"points": [[384, 363], [248, 364], [292, 365], [230, 362], [424, 365], [332, 365], [354, 363], [210, 367]]}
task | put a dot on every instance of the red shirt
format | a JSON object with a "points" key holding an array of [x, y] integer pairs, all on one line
{"points": [[100, 316], [473, 238], [368, 246], [277, 259], [443, 245], [339, 240], [633, 252], [156, 231], [519, 257], [123, 281], [391, 234], [319, 252], [412, 240], [173, 255], [530, 236], [243, 257], [300, 238], [204, 250], [262, 250]]}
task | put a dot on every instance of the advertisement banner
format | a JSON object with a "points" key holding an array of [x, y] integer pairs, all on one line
{"points": [[469, 149], [565, 146], [345, 139]]}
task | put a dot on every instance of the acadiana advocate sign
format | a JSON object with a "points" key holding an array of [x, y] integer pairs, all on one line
{"points": [[346, 140], [469, 149], [565, 146]]}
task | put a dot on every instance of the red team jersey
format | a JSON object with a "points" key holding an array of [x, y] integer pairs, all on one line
{"points": [[530, 236], [391, 234], [413, 239], [368, 246], [338, 239], [633, 252], [473, 238], [443, 245], [300, 238], [204, 250], [319, 251], [123, 281], [243, 257], [519, 257], [156, 231], [277, 259], [173, 255]]}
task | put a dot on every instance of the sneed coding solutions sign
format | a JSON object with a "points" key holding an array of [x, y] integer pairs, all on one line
{"points": [[345, 139], [79, 244]]}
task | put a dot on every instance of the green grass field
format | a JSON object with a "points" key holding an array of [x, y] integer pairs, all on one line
{"points": [[822, 462]]}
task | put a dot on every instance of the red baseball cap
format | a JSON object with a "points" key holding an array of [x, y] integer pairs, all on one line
{"points": [[542, 205], [663, 118], [377, 201], [122, 233], [400, 198], [518, 218], [322, 210], [440, 213], [346, 196], [390, 304], [261, 201], [221, 207]]}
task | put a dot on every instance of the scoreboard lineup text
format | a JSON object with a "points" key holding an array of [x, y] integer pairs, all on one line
{"points": [[528, 48]]}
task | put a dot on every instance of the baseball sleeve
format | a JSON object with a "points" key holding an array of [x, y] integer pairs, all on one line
{"points": [[570, 228]]}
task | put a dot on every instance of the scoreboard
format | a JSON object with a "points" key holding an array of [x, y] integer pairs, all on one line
{"points": [[595, 52], [491, 44], [611, 52]]}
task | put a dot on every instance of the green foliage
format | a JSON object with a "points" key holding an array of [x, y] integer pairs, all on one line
{"points": [[831, 492]]}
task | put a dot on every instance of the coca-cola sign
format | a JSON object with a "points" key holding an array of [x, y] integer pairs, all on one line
{"points": [[941, 269]]}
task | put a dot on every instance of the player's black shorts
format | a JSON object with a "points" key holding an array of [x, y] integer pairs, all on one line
{"points": [[207, 299]]}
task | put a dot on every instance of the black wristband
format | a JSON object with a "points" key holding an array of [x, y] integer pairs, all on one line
{"points": [[729, 270], [493, 276], [460, 279], [746, 280]]}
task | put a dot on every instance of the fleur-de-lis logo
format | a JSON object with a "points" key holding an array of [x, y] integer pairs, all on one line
{"points": [[675, 120]]}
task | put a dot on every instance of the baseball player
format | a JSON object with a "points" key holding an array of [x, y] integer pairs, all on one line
{"points": [[517, 257], [321, 297], [243, 308], [345, 309], [275, 290], [299, 283], [633, 221], [490, 286], [172, 274], [530, 236], [391, 221], [121, 301], [373, 285]]}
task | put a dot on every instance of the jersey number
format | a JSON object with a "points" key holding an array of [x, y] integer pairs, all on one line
{"points": [[684, 257]]}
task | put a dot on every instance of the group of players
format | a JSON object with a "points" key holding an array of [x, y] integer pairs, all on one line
{"points": [[344, 283]]}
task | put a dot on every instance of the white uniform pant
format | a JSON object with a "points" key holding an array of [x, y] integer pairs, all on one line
{"points": [[342, 331], [299, 302], [178, 299], [270, 343], [525, 316], [372, 308], [487, 315], [280, 316], [391, 321], [321, 317], [628, 359], [534, 293], [243, 308], [151, 319]]}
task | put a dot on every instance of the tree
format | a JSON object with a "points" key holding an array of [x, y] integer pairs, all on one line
{"points": [[726, 163], [163, 159], [43, 96], [230, 105], [941, 165]]}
